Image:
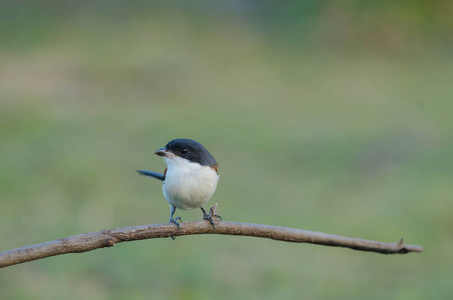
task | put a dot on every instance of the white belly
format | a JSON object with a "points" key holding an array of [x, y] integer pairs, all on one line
{"points": [[188, 185]]}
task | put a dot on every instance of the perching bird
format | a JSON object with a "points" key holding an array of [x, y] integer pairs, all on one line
{"points": [[190, 179]]}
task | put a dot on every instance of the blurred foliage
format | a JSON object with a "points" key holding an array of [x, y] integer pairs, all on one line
{"points": [[389, 26], [331, 116]]}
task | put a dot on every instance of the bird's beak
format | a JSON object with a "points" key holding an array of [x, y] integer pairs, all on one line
{"points": [[162, 152]]}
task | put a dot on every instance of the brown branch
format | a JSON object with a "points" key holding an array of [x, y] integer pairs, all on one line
{"points": [[108, 238]]}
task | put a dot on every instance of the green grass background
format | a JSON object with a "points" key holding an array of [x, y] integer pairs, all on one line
{"points": [[339, 123]]}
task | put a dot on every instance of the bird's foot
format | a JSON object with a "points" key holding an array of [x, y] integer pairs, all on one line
{"points": [[211, 216], [208, 217], [175, 221]]}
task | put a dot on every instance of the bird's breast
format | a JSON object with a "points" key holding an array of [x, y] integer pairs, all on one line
{"points": [[188, 185]]}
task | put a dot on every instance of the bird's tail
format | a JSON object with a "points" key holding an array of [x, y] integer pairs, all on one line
{"points": [[152, 174]]}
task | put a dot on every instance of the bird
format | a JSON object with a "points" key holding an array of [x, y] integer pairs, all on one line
{"points": [[190, 178]]}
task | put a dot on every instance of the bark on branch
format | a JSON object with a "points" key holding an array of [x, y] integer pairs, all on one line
{"points": [[108, 238]]}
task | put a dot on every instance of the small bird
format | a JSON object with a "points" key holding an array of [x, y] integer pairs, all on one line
{"points": [[190, 179]]}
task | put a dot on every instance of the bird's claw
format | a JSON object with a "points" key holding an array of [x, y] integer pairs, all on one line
{"points": [[175, 221], [211, 218], [211, 215]]}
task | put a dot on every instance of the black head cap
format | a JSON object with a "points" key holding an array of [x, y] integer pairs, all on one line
{"points": [[192, 151]]}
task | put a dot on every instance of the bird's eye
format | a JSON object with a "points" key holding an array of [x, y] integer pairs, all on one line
{"points": [[184, 150]]}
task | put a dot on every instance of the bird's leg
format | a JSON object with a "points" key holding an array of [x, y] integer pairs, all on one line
{"points": [[210, 217]]}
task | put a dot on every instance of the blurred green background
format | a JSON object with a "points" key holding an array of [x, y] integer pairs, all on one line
{"points": [[332, 116]]}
